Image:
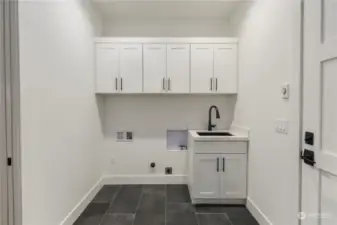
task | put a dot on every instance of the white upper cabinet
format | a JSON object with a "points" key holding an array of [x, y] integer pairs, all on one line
{"points": [[166, 65], [202, 68], [107, 68], [225, 68], [154, 68], [178, 68], [131, 68]]}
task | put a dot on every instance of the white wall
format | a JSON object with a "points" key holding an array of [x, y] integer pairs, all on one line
{"points": [[143, 27], [149, 117], [269, 56], [61, 134]]}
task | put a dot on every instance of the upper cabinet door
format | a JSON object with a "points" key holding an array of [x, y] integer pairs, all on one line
{"points": [[107, 68], [178, 68], [202, 68], [234, 176], [131, 68], [154, 68], [225, 68]]}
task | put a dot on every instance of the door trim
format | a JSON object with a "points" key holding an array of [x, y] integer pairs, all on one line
{"points": [[12, 86]]}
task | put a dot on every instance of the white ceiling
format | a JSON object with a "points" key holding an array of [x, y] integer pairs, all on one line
{"points": [[119, 9]]}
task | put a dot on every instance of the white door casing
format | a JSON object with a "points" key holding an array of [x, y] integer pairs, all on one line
{"points": [[319, 182]]}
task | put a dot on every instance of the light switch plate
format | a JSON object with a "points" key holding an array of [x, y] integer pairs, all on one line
{"points": [[285, 91], [282, 126]]}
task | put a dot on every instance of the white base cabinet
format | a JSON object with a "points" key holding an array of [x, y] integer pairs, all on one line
{"points": [[218, 177]]}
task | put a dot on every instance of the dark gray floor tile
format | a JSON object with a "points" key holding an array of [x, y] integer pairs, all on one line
{"points": [[95, 209], [178, 193], [107, 193], [127, 200], [210, 209], [118, 219], [180, 208], [91, 220], [144, 218], [240, 216], [152, 203], [213, 219], [180, 214], [154, 189]]}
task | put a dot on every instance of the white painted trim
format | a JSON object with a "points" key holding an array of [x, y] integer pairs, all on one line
{"points": [[84, 202], [261, 218], [144, 179], [154, 1], [168, 40]]}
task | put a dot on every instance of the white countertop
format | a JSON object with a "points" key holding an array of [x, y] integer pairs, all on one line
{"points": [[239, 134]]}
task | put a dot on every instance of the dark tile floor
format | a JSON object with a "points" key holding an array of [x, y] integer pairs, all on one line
{"points": [[157, 205]]}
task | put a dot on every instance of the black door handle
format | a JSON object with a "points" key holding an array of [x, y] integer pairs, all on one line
{"points": [[217, 164], [308, 157]]}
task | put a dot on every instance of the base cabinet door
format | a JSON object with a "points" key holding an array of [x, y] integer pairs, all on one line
{"points": [[233, 176], [206, 182]]}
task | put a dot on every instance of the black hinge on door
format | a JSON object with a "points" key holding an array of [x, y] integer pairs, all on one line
{"points": [[9, 161]]}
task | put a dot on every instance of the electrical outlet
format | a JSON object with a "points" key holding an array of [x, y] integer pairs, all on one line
{"points": [[168, 170]]}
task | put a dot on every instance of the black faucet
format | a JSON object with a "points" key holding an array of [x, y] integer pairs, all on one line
{"points": [[210, 125]]}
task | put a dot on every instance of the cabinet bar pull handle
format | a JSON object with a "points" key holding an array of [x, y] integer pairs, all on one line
{"points": [[178, 48], [163, 84], [216, 84], [217, 164], [130, 48], [223, 164], [169, 84], [121, 84], [211, 84], [116, 84]]}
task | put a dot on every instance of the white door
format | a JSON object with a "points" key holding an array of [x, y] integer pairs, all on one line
{"points": [[3, 166], [206, 176], [225, 68], [178, 68], [154, 68], [234, 176], [131, 68], [319, 171], [202, 68], [107, 68]]}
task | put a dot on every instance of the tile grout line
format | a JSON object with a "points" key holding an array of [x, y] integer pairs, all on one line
{"points": [[228, 218], [111, 202], [137, 208]]}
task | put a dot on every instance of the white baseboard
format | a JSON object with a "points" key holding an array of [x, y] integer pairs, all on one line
{"points": [[144, 179], [261, 218], [79, 208]]}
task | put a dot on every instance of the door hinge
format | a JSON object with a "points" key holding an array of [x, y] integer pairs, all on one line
{"points": [[9, 161]]}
